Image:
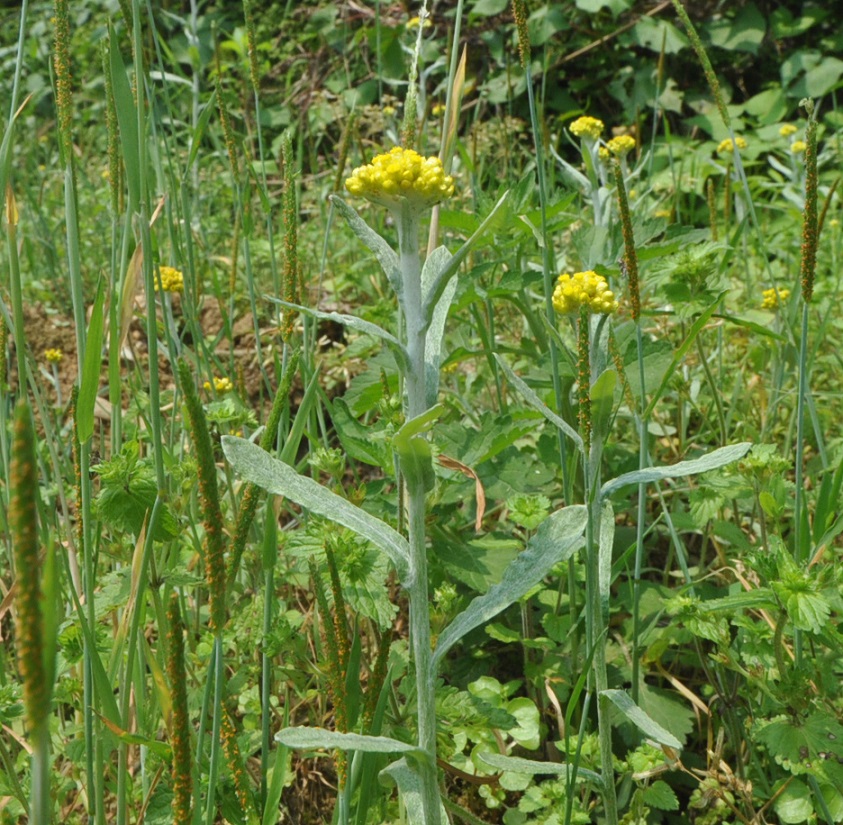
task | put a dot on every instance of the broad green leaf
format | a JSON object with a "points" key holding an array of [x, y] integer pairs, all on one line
{"points": [[407, 779], [650, 728], [555, 541], [375, 243], [488, 8], [658, 35], [307, 738], [743, 33], [709, 461], [360, 442], [793, 805], [90, 383], [515, 764], [808, 611], [537, 404], [761, 598], [801, 745], [437, 286], [352, 322], [257, 466]]}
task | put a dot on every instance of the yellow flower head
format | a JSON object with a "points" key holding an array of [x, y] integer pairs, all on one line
{"points": [[402, 175], [621, 145], [171, 279], [583, 289], [726, 147], [53, 356], [604, 154], [774, 298], [798, 147], [587, 127], [787, 130], [389, 111], [438, 109], [221, 385]]}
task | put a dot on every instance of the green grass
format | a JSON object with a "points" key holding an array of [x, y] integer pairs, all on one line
{"points": [[479, 598]]}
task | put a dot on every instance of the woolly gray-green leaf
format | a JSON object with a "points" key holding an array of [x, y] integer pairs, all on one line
{"points": [[649, 727], [435, 262], [382, 250], [537, 404], [408, 781], [306, 738], [352, 322], [516, 764], [257, 466], [709, 461], [555, 541]]}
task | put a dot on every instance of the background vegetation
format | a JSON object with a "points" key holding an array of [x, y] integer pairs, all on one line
{"points": [[154, 642]]}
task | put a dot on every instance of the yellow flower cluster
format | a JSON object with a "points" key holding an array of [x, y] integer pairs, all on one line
{"points": [[171, 279], [220, 385], [774, 298], [587, 127], [621, 145], [727, 147], [787, 130], [53, 356], [798, 147], [402, 174], [583, 289]]}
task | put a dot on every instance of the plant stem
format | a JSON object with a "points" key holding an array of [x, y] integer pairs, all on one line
{"points": [[417, 586]]}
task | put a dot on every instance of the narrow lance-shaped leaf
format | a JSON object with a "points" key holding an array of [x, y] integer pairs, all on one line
{"points": [[440, 280], [275, 476], [89, 385], [307, 738], [555, 541], [649, 727], [408, 781], [375, 243], [710, 461], [436, 328], [537, 404], [532, 767], [352, 322]]}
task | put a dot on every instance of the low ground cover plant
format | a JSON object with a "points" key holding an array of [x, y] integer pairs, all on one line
{"points": [[419, 444]]}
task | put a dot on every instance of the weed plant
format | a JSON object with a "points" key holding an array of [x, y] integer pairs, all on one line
{"points": [[372, 454]]}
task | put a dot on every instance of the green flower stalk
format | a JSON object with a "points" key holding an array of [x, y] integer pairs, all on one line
{"points": [[407, 184], [29, 627], [180, 723], [810, 234], [582, 295], [290, 286], [208, 498]]}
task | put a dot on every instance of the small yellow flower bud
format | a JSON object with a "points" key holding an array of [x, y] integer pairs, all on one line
{"points": [[798, 147], [171, 279], [787, 130], [53, 355]]}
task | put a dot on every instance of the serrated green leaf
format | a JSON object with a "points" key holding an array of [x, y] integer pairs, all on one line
{"points": [[556, 540], [796, 744], [257, 466], [660, 795]]}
